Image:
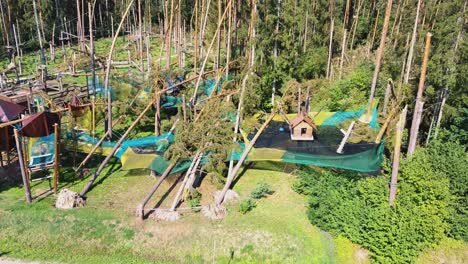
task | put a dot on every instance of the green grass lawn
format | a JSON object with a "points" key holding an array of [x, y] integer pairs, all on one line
{"points": [[105, 231]]}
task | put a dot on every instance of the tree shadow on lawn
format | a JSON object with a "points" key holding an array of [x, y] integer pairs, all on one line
{"points": [[165, 195]]}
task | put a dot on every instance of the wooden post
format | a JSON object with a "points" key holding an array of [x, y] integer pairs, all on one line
{"points": [[93, 115], [396, 156], [345, 138], [22, 167], [56, 156], [419, 97]]}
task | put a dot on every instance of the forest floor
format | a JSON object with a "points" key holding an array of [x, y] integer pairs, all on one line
{"points": [[106, 230]]}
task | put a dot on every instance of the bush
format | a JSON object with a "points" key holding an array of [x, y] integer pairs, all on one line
{"points": [[247, 205], [194, 200], [348, 204], [262, 190]]}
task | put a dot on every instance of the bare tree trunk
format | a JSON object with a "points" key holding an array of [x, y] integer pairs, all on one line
{"points": [[194, 96], [91, 47], [43, 60], [252, 35], [5, 28], [140, 37], [218, 56], [248, 148], [419, 97], [396, 156], [330, 48], [305, 31], [343, 50], [168, 38], [108, 67], [228, 44], [375, 29], [409, 60], [378, 59], [141, 207], [195, 38]]}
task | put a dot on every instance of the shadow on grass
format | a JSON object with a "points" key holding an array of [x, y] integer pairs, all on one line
{"points": [[165, 195]]}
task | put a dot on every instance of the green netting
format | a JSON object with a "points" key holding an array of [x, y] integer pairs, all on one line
{"points": [[273, 145]]}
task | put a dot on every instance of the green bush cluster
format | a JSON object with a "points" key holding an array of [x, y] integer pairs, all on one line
{"points": [[247, 205], [262, 190], [431, 203]]}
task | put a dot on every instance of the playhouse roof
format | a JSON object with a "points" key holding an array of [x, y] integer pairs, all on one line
{"points": [[302, 117], [9, 111]]}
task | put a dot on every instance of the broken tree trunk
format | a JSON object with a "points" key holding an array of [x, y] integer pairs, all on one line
{"points": [[413, 42], [236, 169], [141, 208], [238, 118], [194, 96], [193, 166], [345, 138], [330, 48], [117, 145], [419, 97], [378, 61], [396, 156]]}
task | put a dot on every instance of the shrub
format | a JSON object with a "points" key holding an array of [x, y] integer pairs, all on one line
{"points": [[194, 200], [348, 204], [247, 205], [262, 190]]}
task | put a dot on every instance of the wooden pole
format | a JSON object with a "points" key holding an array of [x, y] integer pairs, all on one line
{"points": [[21, 164], [56, 156], [396, 156], [419, 97]]}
